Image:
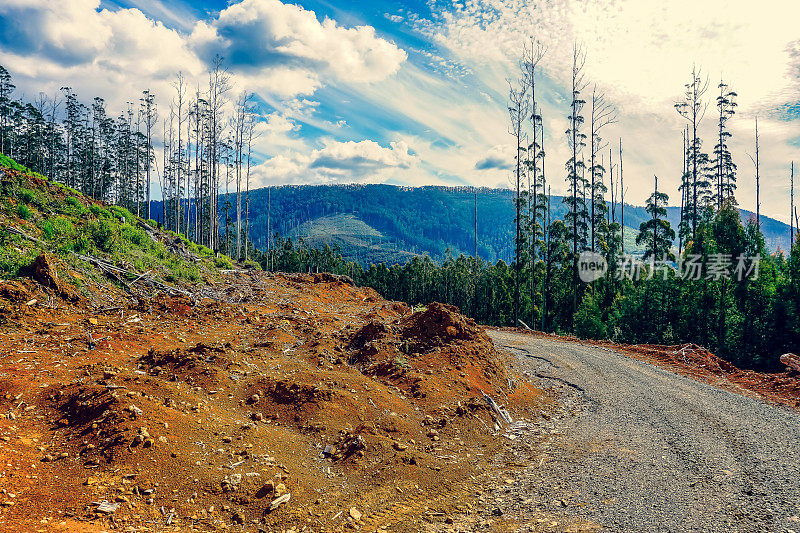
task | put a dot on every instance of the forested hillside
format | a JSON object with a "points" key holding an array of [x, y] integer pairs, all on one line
{"points": [[395, 222]]}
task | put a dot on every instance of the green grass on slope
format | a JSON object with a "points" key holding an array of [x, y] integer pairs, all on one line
{"points": [[68, 222]]}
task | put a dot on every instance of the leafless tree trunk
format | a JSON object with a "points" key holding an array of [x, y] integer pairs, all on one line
{"points": [[518, 110]]}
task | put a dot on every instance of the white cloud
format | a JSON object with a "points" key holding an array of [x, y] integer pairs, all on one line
{"points": [[257, 34], [499, 157], [98, 52], [337, 162], [641, 52]]}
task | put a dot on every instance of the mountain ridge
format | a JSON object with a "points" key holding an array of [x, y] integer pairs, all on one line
{"points": [[417, 220]]}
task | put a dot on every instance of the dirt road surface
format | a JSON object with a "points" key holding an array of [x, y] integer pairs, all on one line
{"points": [[642, 449]]}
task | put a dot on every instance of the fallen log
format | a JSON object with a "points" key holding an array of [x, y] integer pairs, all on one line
{"points": [[502, 413], [109, 268]]}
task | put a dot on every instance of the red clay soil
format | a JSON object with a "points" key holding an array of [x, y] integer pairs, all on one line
{"points": [[691, 360], [203, 414]]}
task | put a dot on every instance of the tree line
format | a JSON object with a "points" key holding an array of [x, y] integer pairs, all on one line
{"points": [[695, 293], [205, 143]]}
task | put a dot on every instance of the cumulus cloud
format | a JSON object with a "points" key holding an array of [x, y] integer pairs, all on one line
{"points": [[338, 162], [257, 34], [114, 54], [278, 50], [498, 157]]}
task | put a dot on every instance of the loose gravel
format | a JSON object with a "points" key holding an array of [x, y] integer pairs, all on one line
{"points": [[638, 448]]}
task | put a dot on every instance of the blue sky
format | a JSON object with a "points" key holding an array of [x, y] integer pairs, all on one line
{"points": [[415, 92]]}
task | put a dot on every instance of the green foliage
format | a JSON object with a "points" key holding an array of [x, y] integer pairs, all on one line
{"points": [[589, 320], [23, 212], [14, 256], [133, 236], [250, 263], [99, 212], [57, 228], [28, 196], [105, 235], [223, 262], [7, 162], [121, 213]]}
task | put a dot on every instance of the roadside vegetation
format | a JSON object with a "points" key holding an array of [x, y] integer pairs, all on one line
{"points": [[62, 221]]}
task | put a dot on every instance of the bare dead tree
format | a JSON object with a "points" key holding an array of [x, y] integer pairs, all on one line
{"points": [[758, 184], [518, 111], [532, 55], [692, 109], [602, 114], [621, 200], [180, 90]]}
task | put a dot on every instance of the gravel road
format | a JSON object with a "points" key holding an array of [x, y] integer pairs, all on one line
{"points": [[643, 449]]}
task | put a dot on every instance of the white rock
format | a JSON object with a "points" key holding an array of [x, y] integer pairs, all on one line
{"points": [[277, 502]]}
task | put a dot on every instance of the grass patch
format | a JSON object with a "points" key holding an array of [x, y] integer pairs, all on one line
{"points": [[74, 223], [15, 257]]}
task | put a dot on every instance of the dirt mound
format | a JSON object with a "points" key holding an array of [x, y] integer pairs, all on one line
{"points": [[371, 331], [440, 323], [15, 292], [215, 409], [792, 363], [687, 354], [201, 365], [436, 354]]}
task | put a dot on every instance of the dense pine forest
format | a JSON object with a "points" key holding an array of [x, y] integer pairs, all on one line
{"points": [[203, 177]]}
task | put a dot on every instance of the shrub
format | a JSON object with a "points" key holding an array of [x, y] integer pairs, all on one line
{"points": [[23, 212], [99, 212], [252, 264], [81, 243], [12, 260], [104, 235], [73, 206], [121, 213], [223, 262], [56, 228], [589, 320], [28, 196], [133, 235]]}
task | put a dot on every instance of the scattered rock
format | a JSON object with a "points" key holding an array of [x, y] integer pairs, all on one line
{"points": [[107, 507], [267, 488], [355, 514], [277, 502]]}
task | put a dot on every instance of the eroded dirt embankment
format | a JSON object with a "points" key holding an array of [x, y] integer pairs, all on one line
{"points": [[281, 402]]}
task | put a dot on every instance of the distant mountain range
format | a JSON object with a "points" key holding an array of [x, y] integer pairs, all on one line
{"points": [[386, 223]]}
